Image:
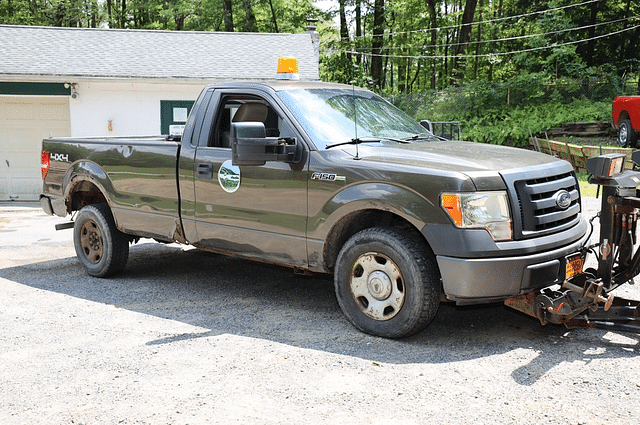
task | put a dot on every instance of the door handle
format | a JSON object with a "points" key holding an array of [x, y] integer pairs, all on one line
{"points": [[204, 171]]}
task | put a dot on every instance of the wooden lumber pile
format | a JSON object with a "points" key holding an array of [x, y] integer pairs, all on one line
{"points": [[584, 129]]}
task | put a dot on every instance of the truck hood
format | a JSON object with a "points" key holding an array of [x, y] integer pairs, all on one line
{"points": [[464, 157]]}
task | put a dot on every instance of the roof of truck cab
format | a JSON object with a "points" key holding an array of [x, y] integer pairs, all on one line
{"points": [[90, 53], [282, 85]]}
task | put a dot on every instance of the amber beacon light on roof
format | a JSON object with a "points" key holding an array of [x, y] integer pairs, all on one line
{"points": [[287, 69]]}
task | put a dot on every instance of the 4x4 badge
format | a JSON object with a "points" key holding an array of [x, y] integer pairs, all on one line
{"points": [[62, 157]]}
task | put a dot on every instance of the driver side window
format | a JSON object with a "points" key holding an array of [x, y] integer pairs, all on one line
{"points": [[243, 109]]}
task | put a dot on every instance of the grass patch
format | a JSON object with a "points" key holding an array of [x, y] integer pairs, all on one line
{"points": [[586, 188]]}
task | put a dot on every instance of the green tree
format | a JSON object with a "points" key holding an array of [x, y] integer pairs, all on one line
{"points": [[414, 45]]}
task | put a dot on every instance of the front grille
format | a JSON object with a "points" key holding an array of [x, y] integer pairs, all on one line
{"points": [[538, 204]]}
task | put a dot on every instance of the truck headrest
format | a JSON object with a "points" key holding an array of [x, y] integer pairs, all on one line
{"points": [[251, 112]]}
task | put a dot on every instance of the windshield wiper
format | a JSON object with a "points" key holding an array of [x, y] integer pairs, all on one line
{"points": [[358, 140], [355, 141], [416, 137], [403, 141]]}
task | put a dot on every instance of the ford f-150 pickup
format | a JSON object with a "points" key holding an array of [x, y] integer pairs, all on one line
{"points": [[328, 178]]}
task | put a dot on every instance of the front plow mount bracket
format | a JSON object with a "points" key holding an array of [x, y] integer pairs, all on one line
{"points": [[578, 308]]}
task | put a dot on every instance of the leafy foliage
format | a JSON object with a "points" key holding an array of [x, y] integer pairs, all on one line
{"points": [[507, 113], [513, 127], [200, 15]]}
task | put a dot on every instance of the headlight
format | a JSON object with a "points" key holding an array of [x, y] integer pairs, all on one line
{"points": [[486, 210]]}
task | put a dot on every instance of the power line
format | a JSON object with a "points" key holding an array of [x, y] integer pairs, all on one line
{"points": [[499, 40], [425, 30], [552, 46]]}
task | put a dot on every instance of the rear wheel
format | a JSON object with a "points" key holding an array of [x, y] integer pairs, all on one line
{"points": [[101, 248], [627, 137], [387, 283]]}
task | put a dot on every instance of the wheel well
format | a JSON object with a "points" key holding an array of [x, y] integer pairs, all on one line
{"points": [[360, 220], [85, 193], [624, 115]]}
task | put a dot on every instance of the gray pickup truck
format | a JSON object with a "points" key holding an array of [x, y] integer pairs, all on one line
{"points": [[327, 178]]}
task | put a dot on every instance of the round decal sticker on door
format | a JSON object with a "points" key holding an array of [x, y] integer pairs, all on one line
{"points": [[229, 177]]}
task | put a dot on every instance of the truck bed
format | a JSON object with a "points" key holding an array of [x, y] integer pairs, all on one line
{"points": [[138, 173]]}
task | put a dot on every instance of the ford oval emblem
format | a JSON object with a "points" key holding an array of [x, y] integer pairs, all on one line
{"points": [[563, 199]]}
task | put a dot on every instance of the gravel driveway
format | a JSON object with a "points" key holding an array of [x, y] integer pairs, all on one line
{"points": [[186, 337]]}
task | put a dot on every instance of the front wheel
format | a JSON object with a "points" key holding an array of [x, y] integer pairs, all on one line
{"points": [[387, 283], [101, 248], [627, 137]]}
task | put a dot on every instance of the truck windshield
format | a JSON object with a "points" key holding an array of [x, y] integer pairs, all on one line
{"points": [[331, 116]]}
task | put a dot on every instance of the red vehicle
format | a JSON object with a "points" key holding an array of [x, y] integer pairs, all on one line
{"points": [[626, 118]]}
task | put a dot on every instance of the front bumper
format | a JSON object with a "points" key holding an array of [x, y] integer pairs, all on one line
{"points": [[478, 280]]}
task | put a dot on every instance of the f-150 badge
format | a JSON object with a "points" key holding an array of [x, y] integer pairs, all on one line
{"points": [[327, 176]]}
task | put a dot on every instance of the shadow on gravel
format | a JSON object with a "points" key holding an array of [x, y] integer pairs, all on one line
{"points": [[231, 296]]}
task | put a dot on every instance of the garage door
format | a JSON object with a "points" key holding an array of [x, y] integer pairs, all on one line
{"points": [[24, 122]]}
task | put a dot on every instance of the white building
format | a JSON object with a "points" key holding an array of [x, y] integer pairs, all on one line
{"points": [[106, 82]]}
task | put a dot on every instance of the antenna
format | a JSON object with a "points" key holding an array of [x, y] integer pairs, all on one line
{"points": [[355, 118]]}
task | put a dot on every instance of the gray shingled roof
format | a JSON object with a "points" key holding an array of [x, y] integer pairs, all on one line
{"points": [[141, 54]]}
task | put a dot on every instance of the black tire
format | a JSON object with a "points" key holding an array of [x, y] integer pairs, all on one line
{"points": [[387, 283], [101, 248], [627, 137]]}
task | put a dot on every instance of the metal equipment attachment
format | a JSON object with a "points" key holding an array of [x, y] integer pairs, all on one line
{"points": [[584, 299]]}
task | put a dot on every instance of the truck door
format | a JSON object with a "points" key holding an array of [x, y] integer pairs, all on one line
{"points": [[253, 211]]}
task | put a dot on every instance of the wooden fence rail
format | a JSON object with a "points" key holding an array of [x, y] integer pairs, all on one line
{"points": [[577, 155]]}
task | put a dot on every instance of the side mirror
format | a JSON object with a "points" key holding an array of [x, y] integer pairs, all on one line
{"points": [[427, 124], [250, 146]]}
